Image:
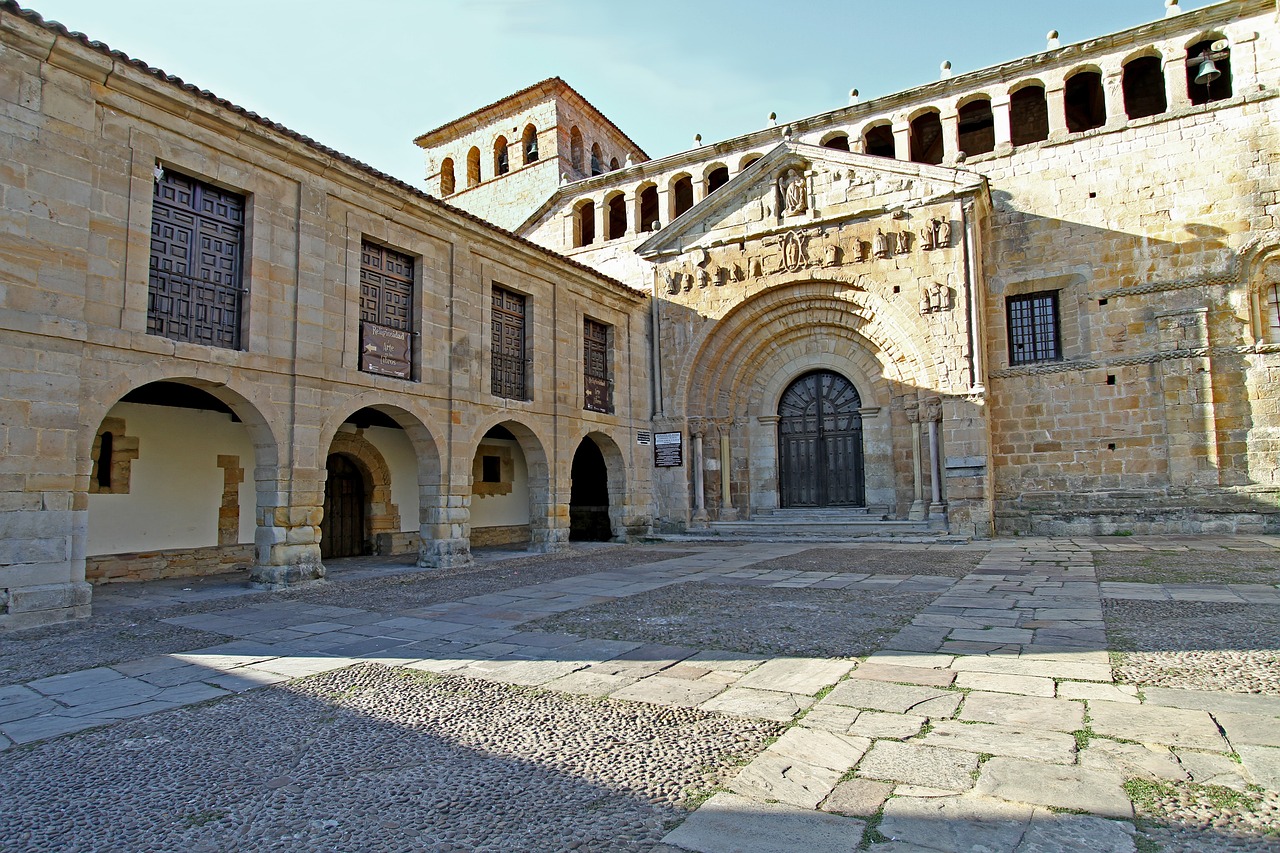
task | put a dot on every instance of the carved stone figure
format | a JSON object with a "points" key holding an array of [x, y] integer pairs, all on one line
{"points": [[704, 277], [673, 280], [831, 256], [943, 238], [860, 250], [881, 244], [932, 410], [791, 187], [904, 242], [935, 297], [795, 252], [927, 236]]}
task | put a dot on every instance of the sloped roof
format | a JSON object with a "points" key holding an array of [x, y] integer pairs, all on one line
{"points": [[11, 7]]}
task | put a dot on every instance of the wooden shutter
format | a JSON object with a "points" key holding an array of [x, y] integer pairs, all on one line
{"points": [[508, 345], [595, 366]]}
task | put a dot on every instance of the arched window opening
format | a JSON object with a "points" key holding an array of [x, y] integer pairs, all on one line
{"points": [[1209, 71], [649, 209], [717, 178], [681, 195], [1086, 103], [1143, 85], [747, 161], [926, 138], [1028, 116], [839, 142], [584, 224], [103, 463], [878, 141], [473, 167], [977, 128], [595, 160], [446, 177], [1271, 294], [501, 159], [613, 164], [529, 144], [616, 220], [575, 149]]}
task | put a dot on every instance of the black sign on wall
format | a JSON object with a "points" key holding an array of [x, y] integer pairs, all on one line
{"points": [[668, 449], [384, 350]]}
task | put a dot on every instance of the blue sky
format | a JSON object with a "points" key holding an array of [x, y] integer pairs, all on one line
{"points": [[367, 77]]}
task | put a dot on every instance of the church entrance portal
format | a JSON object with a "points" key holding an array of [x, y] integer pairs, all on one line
{"points": [[342, 528], [820, 443]]}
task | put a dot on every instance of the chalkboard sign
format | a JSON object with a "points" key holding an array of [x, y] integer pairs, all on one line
{"points": [[668, 449]]}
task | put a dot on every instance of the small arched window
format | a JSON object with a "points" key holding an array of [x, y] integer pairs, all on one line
{"points": [[616, 217], [1086, 103], [584, 224], [473, 166], [879, 141], [1028, 116], [529, 144], [595, 160], [501, 160], [977, 127], [747, 161], [613, 164], [1271, 298], [838, 142], [648, 219], [926, 138], [681, 195], [575, 149], [1143, 85], [1209, 71], [446, 177], [717, 178]]}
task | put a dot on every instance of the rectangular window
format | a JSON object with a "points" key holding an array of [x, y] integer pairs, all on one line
{"points": [[595, 366], [508, 345], [386, 311], [194, 289], [1033, 328]]}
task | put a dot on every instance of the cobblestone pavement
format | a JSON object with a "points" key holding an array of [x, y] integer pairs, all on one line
{"points": [[1012, 709]]}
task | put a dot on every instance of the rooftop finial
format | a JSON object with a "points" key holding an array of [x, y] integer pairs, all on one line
{"points": [[945, 68], [773, 119], [1171, 8], [697, 140], [853, 97], [786, 133], [1052, 38]]}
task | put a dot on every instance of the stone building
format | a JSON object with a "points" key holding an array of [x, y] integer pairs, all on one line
{"points": [[1038, 297]]}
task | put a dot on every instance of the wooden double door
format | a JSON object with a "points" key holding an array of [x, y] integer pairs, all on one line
{"points": [[820, 459]]}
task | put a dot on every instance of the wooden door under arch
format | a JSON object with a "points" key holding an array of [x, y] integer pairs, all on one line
{"points": [[342, 527], [820, 443]]}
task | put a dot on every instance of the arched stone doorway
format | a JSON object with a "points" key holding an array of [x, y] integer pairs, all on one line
{"points": [[342, 530], [589, 495], [820, 458]]}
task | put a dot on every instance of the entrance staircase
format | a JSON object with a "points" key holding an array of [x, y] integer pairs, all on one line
{"points": [[821, 525]]}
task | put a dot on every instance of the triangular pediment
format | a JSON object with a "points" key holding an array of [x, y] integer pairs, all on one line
{"points": [[797, 185]]}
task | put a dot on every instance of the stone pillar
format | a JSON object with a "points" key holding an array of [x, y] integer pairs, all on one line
{"points": [[901, 138], [632, 204], [443, 540], [699, 483], [1113, 91], [1175, 79], [1003, 119], [601, 216], [937, 509], [1055, 97], [727, 511], [918, 511], [950, 119], [287, 540], [1189, 409]]}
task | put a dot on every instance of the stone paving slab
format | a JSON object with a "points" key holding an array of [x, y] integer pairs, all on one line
{"points": [[1148, 724], [585, 682], [1025, 685], [897, 698], [1066, 833], [1090, 790], [857, 797], [1053, 747], [1026, 712], [1088, 690], [925, 660], [728, 823], [1078, 671], [771, 777], [905, 674], [1204, 700], [914, 764], [1262, 763], [1134, 760], [658, 690], [796, 675], [1208, 768], [760, 704], [952, 823]]}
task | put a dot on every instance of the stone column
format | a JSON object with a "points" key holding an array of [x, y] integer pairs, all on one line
{"points": [[1002, 116], [601, 217], [1113, 91], [699, 482], [901, 138], [918, 511], [287, 539], [443, 542], [950, 119], [937, 509], [1055, 97], [727, 511], [1175, 79]]}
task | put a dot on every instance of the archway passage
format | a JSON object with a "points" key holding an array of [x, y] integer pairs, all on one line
{"points": [[589, 496], [820, 443], [342, 528]]}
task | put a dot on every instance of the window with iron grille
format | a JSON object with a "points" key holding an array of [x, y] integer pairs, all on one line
{"points": [[595, 366], [509, 345], [194, 288], [1272, 294], [386, 311], [1033, 328]]}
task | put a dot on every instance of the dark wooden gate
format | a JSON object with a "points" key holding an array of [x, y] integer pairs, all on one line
{"points": [[342, 528], [194, 287], [820, 443]]}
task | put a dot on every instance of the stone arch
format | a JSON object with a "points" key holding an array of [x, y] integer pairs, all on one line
{"points": [[714, 176], [1084, 98], [447, 184], [747, 160], [926, 137], [1220, 89], [1143, 84], [647, 216], [547, 528], [975, 125], [615, 215], [1260, 271], [835, 139], [584, 223], [878, 139], [575, 149], [1028, 112], [473, 167], [529, 144], [382, 516], [680, 193], [621, 510], [501, 156]]}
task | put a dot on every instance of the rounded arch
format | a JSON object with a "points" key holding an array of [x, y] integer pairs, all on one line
{"points": [[447, 180], [972, 97], [615, 215], [597, 159], [473, 167], [380, 514], [712, 167], [1209, 36], [833, 139], [1026, 83], [714, 176], [575, 149], [747, 160], [679, 194], [546, 532], [1084, 68], [501, 156], [923, 110], [1145, 52], [529, 144], [597, 488], [646, 215], [584, 222], [1260, 270]]}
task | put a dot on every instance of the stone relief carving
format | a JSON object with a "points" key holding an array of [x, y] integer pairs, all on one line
{"points": [[935, 297], [931, 409], [936, 234], [674, 278], [831, 255], [903, 242], [792, 192], [880, 245]]}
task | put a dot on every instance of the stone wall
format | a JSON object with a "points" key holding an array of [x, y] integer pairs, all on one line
{"points": [[173, 563]]}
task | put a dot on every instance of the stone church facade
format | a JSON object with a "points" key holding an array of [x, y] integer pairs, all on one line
{"points": [[1040, 297]]}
